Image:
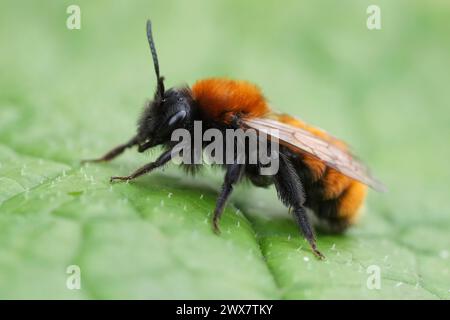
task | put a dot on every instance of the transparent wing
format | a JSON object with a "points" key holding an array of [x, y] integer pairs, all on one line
{"points": [[330, 153]]}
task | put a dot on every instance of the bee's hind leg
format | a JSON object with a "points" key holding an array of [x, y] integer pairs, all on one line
{"points": [[291, 193]]}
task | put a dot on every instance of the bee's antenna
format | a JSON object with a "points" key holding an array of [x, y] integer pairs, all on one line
{"points": [[160, 88]]}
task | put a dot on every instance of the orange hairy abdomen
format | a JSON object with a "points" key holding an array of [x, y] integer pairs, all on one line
{"points": [[220, 99], [348, 193]]}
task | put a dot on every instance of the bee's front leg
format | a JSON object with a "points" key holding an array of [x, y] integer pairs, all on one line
{"points": [[114, 152]]}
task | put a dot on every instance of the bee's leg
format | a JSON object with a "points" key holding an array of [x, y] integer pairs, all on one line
{"points": [[291, 193], [162, 160], [114, 152], [232, 176]]}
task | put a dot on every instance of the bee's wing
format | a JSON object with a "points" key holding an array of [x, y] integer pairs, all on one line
{"points": [[331, 154]]}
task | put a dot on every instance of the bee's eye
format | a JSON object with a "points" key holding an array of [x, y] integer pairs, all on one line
{"points": [[176, 118]]}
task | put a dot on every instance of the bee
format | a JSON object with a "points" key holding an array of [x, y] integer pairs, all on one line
{"points": [[317, 178]]}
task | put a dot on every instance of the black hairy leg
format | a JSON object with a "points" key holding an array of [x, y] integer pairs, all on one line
{"points": [[232, 176], [162, 160], [291, 193], [114, 152]]}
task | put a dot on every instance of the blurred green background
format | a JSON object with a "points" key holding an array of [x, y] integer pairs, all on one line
{"points": [[71, 94]]}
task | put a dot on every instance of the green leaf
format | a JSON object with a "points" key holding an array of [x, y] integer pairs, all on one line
{"points": [[72, 94]]}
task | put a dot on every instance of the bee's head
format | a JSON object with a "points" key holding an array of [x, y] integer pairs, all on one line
{"points": [[169, 110], [162, 116]]}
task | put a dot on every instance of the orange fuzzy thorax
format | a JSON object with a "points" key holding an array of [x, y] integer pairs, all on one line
{"points": [[220, 99]]}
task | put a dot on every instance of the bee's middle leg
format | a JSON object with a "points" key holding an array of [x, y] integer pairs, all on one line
{"points": [[232, 176]]}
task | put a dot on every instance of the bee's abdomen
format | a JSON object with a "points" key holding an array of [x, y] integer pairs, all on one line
{"points": [[338, 201], [335, 199]]}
